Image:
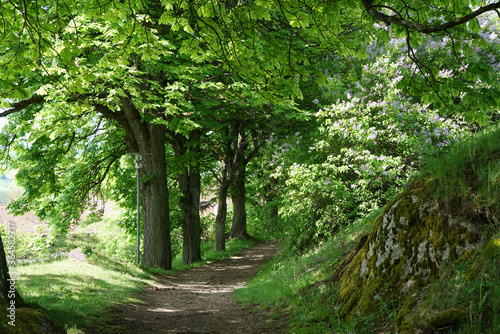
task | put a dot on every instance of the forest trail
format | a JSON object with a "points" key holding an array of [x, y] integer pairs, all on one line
{"points": [[199, 300]]}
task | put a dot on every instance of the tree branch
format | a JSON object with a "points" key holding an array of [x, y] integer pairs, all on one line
{"points": [[21, 105], [399, 20], [256, 147]]}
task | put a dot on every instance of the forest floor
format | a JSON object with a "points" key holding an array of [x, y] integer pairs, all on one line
{"points": [[199, 300]]}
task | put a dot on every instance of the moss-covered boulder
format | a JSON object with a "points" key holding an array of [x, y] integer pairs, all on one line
{"points": [[29, 321], [410, 242], [432, 320]]}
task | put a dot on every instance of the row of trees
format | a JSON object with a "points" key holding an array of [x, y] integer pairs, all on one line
{"points": [[205, 87]]}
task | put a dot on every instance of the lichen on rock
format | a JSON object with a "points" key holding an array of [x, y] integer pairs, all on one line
{"points": [[409, 242]]}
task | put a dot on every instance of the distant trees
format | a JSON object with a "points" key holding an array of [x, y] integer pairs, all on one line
{"points": [[232, 155], [8, 190]]}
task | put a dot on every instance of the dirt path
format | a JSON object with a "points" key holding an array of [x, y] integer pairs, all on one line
{"points": [[199, 300]]}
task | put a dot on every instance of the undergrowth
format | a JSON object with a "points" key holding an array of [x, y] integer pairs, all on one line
{"points": [[296, 285], [469, 173], [471, 284]]}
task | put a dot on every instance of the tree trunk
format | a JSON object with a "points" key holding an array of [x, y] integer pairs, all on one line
{"points": [[148, 139], [157, 246], [220, 219], [9, 297], [233, 167], [191, 222], [271, 207], [238, 196], [190, 188]]}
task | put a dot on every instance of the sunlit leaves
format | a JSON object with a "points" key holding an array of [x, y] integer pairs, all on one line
{"points": [[61, 169]]}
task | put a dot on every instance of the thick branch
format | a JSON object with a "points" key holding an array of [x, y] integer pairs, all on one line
{"points": [[256, 148], [398, 20], [21, 105]]}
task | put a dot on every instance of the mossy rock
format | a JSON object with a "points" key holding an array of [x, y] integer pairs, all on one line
{"points": [[446, 319], [409, 243], [427, 321], [29, 321]]}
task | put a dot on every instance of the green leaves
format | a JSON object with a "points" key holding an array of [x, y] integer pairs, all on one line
{"points": [[429, 98], [474, 26]]}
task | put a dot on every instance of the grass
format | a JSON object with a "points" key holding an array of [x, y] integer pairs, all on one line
{"points": [[471, 284], [78, 293], [471, 169]]}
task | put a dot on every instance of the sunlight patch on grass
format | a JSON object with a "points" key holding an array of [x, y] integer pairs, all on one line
{"points": [[79, 294], [75, 293], [208, 255]]}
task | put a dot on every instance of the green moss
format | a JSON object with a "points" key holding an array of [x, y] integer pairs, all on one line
{"points": [[447, 318], [29, 321], [492, 249], [406, 310], [425, 320]]}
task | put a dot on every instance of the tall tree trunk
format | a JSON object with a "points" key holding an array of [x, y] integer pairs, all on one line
{"points": [[8, 292], [148, 139], [238, 196], [220, 219], [190, 188], [157, 246], [233, 165], [191, 233]]}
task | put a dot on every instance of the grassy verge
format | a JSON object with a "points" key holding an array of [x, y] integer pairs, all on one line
{"points": [[78, 293], [471, 284], [294, 286], [470, 172]]}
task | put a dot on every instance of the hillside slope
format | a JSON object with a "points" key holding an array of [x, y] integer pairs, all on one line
{"points": [[430, 262], [412, 242], [436, 233]]}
